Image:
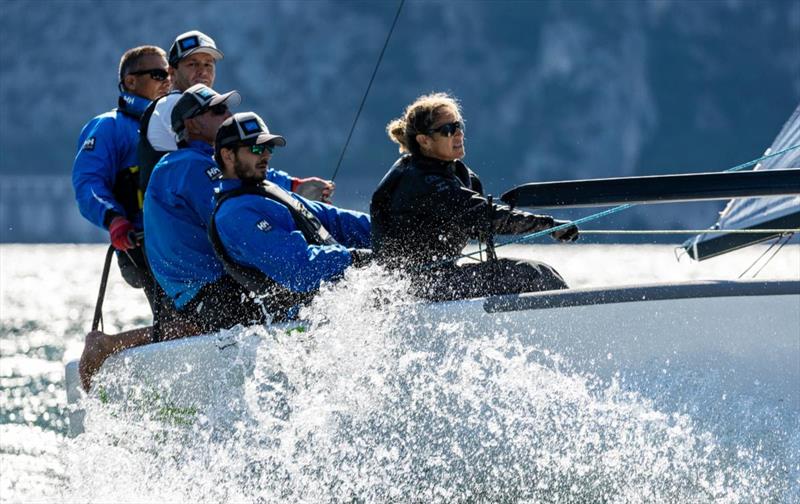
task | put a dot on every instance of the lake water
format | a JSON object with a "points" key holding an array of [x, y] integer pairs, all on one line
{"points": [[463, 430]]}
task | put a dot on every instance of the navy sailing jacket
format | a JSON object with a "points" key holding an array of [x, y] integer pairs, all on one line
{"points": [[177, 207], [105, 169]]}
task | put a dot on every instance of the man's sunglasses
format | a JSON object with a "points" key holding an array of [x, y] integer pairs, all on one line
{"points": [[158, 74], [219, 109], [258, 149], [448, 129]]}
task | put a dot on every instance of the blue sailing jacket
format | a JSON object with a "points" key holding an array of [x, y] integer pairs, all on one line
{"points": [[260, 233], [177, 207], [106, 150]]}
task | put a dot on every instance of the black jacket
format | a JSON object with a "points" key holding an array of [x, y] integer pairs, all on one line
{"points": [[425, 210]]}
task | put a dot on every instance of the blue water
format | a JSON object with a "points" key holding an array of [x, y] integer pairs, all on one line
{"points": [[360, 408]]}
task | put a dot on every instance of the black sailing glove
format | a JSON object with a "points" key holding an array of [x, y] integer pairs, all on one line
{"points": [[360, 257], [568, 234], [516, 222]]}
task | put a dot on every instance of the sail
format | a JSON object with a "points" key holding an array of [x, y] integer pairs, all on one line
{"points": [[778, 212]]}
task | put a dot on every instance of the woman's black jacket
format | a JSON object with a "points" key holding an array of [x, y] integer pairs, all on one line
{"points": [[425, 211]]}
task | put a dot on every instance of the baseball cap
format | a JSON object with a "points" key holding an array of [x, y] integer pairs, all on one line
{"points": [[245, 128], [196, 100], [192, 42]]}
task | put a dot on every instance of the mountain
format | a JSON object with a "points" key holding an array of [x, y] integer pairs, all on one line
{"points": [[550, 89]]}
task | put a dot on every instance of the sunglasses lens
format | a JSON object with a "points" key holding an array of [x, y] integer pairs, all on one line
{"points": [[449, 129], [219, 110], [158, 74], [260, 148]]}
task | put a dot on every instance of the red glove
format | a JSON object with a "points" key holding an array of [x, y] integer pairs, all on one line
{"points": [[314, 188], [122, 233]]}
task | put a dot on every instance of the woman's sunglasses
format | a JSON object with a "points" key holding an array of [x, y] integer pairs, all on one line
{"points": [[158, 74], [448, 129]]}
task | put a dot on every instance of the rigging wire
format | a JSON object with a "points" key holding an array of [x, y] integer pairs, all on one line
{"points": [[369, 86], [786, 239], [688, 231]]}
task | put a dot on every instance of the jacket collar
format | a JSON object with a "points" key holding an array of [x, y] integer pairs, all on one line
{"points": [[132, 104], [199, 145], [428, 163]]}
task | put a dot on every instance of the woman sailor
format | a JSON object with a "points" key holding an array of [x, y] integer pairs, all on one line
{"points": [[430, 204]]}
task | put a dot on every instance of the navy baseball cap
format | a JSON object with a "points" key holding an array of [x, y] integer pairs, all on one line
{"points": [[192, 42], [245, 128], [195, 101]]}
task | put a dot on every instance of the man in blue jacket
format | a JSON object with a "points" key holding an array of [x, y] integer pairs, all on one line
{"points": [[278, 244], [105, 170]]}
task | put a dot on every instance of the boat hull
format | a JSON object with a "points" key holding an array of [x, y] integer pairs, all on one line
{"points": [[741, 339]]}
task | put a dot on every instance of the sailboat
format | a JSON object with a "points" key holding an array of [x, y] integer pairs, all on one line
{"points": [[742, 335]]}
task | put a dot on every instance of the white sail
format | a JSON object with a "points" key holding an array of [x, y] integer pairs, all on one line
{"points": [[777, 212]]}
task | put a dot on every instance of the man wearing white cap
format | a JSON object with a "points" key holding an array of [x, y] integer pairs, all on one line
{"points": [[179, 198], [192, 60]]}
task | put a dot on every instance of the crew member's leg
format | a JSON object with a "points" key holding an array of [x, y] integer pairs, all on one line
{"points": [[491, 278], [222, 305], [136, 272]]}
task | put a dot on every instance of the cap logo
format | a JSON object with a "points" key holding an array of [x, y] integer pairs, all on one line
{"points": [[188, 43], [251, 126], [204, 93]]}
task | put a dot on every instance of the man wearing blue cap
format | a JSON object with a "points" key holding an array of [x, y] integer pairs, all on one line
{"points": [[192, 60]]}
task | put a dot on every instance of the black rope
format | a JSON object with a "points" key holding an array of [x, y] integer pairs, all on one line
{"points": [[369, 86], [97, 321]]}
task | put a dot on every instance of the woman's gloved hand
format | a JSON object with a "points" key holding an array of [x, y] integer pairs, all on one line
{"points": [[567, 234]]}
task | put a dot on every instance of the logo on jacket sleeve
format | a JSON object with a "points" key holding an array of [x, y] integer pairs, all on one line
{"points": [[88, 144], [213, 173], [263, 225]]}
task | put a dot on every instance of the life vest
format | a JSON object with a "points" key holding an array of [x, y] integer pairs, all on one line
{"points": [[277, 299], [126, 188]]}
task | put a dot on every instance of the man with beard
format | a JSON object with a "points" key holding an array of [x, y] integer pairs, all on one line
{"points": [[193, 59], [279, 245]]}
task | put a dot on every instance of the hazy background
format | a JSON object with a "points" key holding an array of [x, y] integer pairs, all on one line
{"points": [[550, 89]]}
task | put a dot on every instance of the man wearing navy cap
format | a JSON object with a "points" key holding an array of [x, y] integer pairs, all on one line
{"points": [[192, 60], [277, 244]]}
